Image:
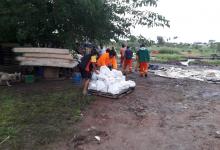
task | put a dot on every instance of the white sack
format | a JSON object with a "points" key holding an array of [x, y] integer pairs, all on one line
{"points": [[105, 70], [92, 85], [114, 89], [131, 83], [102, 77], [110, 82], [123, 85], [120, 79], [94, 76], [101, 86], [116, 73]]}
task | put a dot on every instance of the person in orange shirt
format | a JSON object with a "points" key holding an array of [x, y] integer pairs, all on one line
{"points": [[108, 59]]}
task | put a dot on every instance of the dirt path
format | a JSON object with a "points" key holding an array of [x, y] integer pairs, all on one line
{"points": [[161, 114]]}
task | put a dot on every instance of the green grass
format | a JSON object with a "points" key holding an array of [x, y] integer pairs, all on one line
{"points": [[168, 57], [164, 49], [202, 51], [169, 54], [169, 51], [32, 120]]}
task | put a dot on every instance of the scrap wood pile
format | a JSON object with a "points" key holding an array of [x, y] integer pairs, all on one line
{"points": [[208, 75], [50, 57], [110, 81]]}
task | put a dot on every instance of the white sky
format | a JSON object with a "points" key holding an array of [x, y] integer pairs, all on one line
{"points": [[190, 20]]}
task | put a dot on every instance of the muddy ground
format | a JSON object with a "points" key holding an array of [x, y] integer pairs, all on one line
{"points": [[161, 114]]}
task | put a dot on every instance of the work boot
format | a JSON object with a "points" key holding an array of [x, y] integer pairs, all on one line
{"points": [[146, 75]]}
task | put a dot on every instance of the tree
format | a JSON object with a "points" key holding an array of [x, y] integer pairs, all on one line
{"points": [[127, 13], [160, 40], [175, 37], [143, 40], [58, 23]]}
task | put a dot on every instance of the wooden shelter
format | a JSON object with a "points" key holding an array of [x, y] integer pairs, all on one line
{"points": [[50, 58]]}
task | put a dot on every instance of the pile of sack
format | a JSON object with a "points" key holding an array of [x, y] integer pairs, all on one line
{"points": [[110, 81]]}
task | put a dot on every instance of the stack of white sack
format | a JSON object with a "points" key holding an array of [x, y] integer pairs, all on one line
{"points": [[107, 81]]}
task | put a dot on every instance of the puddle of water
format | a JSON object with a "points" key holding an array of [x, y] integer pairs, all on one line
{"points": [[211, 94]]}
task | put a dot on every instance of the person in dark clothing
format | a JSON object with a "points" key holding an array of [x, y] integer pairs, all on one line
{"points": [[128, 55], [87, 66]]}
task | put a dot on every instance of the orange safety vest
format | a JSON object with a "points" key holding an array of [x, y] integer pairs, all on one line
{"points": [[105, 60]]}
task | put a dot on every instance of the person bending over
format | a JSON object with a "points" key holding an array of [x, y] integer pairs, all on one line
{"points": [[87, 67]]}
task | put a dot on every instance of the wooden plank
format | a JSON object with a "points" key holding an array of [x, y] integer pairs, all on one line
{"points": [[108, 95], [41, 50], [48, 55], [49, 64], [54, 60]]}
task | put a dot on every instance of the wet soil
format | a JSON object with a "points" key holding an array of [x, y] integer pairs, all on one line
{"points": [[161, 114]]}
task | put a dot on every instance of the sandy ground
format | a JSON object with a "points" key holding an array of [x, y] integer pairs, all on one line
{"points": [[161, 114]]}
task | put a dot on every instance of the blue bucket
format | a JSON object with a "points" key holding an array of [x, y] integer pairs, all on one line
{"points": [[77, 79]]}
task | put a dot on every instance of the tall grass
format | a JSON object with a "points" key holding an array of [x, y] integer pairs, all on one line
{"points": [[168, 57], [168, 51]]}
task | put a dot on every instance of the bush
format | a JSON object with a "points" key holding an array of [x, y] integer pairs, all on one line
{"points": [[167, 58], [168, 51]]}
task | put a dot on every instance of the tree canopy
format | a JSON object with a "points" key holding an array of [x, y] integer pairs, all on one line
{"points": [[59, 23], [160, 40]]}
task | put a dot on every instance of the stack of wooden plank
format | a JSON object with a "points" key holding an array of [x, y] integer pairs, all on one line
{"points": [[49, 57]]}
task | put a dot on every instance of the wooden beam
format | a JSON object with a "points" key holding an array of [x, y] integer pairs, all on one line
{"points": [[41, 50]]}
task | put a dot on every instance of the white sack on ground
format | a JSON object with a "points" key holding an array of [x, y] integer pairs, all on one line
{"points": [[123, 85], [116, 73], [92, 85], [102, 77], [94, 76], [105, 70], [100, 85], [114, 89], [131, 83], [108, 81]]}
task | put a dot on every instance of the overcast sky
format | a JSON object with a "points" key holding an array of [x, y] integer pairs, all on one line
{"points": [[190, 20]]}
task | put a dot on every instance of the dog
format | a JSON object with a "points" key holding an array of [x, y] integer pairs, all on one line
{"points": [[7, 78]]}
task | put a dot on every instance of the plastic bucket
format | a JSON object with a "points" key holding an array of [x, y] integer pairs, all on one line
{"points": [[77, 79], [29, 79]]}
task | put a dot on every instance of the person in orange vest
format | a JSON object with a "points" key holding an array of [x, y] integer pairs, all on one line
{"points": [[144, 58], [128, 60], [108, 59]]}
